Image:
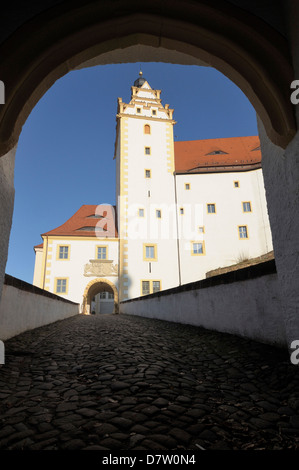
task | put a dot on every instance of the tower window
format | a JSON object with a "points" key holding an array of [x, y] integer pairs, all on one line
{"points": [[158, 213], [181, 210], [154, 112], [148, 173], [236, 184], [141, 212], [243, 232], [138, 110], [187, 186], [246, 206], [147, 150], [147, 129], [211, 208]]}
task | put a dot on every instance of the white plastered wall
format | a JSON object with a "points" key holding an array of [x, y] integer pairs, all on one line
{"points": [[281, 178], [222, 245], [73, 269]]}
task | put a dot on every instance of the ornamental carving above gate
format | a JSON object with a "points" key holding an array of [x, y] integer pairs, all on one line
{"points": [[100, 268]]}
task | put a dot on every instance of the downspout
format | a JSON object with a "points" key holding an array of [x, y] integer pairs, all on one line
{"points": [[177, 228], [45, 265]]}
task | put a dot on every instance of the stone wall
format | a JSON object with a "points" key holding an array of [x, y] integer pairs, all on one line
{"points": [[7, 195], [244, 302], [25, 307]]}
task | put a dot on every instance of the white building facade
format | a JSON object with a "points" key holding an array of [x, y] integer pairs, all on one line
{"points": [[183, 209]]}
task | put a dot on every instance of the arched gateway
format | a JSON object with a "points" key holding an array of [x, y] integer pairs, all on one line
{"points": [[96, 286]]}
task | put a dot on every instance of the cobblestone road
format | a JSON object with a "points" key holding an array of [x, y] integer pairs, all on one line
{"points": [[116, 382]]}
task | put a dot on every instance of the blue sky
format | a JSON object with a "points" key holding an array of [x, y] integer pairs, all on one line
{"points": [[65, 152]]}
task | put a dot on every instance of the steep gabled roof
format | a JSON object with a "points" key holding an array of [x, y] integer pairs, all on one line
{"points": [[83, 219], [226, 154]]}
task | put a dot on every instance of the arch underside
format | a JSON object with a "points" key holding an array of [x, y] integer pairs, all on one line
{"points": [[241, 46], [95, 287]]}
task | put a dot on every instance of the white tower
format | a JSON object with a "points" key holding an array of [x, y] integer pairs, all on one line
{"points": [[145, 191]]}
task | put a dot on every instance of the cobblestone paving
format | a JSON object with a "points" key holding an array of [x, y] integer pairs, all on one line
{"points": [[116, 382]]}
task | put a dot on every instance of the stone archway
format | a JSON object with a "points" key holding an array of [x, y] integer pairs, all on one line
{"points": [[256, 56], [95, 286], [243, 47]]}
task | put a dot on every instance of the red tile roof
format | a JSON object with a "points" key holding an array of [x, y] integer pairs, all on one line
{"points": [[195, 156], [238, 152], [39, 246], [83, 219]]}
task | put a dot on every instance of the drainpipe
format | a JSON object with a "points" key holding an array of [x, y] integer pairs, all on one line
{"points": [[45, 265], [177, 228]]}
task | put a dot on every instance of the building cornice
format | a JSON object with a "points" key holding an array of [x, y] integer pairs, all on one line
{"points": [[147, 118], [79, 237]]}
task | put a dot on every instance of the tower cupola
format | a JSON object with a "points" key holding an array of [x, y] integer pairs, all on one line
{"points": [[140, 81]]}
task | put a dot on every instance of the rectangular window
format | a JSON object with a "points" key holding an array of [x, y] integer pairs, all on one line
{"points": [[158, 214], [246, 207], [181, 210], [138, 110], [236, 184], [201, 229], [243, 232], [110, 295], [141, 213], [211, 208], [148, 173], [154, 112], [101, 252], [63, 252], [149, 252], [198, 248], [147, 150], [61, 286], [145, 287], [187, 186], [102, 295], [149, 287], [156, 286]]}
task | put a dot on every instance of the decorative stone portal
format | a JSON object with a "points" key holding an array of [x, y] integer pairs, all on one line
{"points": [[93, 288]]}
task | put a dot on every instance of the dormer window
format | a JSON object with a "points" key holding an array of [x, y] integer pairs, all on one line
{"points": [[92, 229], [217, 152]]}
